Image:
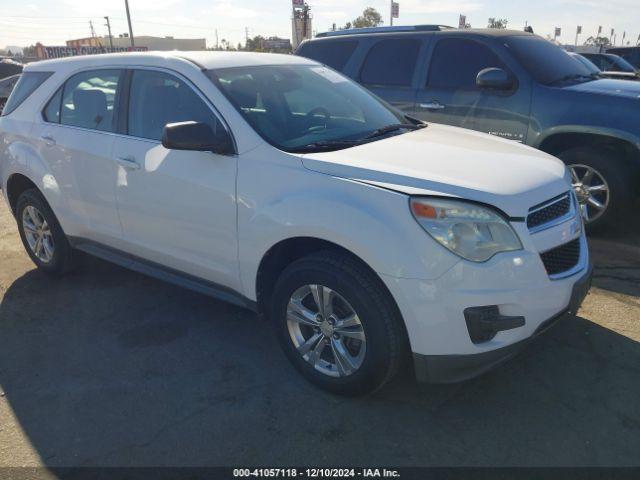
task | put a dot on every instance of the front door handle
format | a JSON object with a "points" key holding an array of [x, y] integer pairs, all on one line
{"points": [[435, 105], [128, 162], [48, 140]]}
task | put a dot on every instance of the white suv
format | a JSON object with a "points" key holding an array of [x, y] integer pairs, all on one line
{"points": [[278, 184]]}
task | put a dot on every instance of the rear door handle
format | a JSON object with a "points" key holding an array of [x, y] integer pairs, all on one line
{"points": [[128, 162], [435, 105], [48, 140]]}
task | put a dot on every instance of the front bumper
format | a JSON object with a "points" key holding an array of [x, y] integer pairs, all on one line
{"points": [[457, 368]]}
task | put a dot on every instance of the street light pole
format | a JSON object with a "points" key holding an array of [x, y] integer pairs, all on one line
{"points": [[109, 29], [126, 4]]}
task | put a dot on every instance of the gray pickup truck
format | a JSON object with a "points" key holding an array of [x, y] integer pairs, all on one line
{"points": [[512, 84]]}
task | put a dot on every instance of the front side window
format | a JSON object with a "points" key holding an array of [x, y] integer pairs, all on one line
{"points": [[158, 98], [295, 106], [89, 100], [456, 62], [547, 63], [391, 63], [27, 84]]}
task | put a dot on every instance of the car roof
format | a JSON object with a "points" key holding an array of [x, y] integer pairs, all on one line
{"points": [[203, 59], [386, 31]]}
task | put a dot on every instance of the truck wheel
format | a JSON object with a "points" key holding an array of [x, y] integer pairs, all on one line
{"points": [[601, 183], [337, 323], [41, 234]]}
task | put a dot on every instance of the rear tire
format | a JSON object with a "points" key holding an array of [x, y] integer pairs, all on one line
{"points": [[355, 292], [41, 234], [606, 172]]}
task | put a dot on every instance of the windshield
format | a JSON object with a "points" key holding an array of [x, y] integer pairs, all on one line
{"points": [[546, 62], [294, 107], [586, 62], [621, 64]]}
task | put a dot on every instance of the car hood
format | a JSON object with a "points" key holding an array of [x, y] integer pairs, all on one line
{"points": [[609, 86], [448, 161]]}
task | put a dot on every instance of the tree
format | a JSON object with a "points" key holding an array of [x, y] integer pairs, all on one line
{"points": [[370, 18], [497, 23], [598, 41], [255, 44]]}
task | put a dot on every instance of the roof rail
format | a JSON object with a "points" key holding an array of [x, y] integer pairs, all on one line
{"points": [[408, 28]]}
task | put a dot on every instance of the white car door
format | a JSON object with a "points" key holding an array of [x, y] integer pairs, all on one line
{"points": [[177, 208], [76, 137]]}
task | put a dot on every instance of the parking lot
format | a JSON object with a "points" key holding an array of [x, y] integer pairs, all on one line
{"points": [[110, 368]]}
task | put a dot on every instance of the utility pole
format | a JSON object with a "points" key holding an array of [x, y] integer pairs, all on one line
{"points": [[108, 25], [246, 36], [391, 14], [216, 39], [126, 5]]}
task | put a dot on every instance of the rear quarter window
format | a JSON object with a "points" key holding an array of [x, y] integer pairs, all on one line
{"points": [[334, 54], [27, 84]]}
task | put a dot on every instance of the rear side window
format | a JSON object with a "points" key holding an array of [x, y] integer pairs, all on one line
{"points": [[27, 84], [456, 63], [51, 112], [333, 54], [391, 62], [158, 98], [89, 100]]}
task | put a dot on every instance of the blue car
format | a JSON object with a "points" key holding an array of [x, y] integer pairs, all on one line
{"points": [[512, 84]]}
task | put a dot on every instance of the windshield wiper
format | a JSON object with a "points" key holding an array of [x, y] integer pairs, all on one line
{"points": [[324, 145], [392, 128], [578, 76]]}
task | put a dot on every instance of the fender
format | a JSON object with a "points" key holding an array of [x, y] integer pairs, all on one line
{"points": [[366, 220], [588, 130]]}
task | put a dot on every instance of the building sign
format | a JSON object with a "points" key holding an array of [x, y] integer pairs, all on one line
{"points": [[277, 44], [297, 3], [395, 10], [43, 52], [558, 31], [462, 21]]}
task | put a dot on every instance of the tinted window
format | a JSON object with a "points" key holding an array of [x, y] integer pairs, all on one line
{"points": [[51, 112], [546, 62], [26, 85], [334, 54], [158, 98], [391, 62], [296, 106], [89, 99], [456, 63]]}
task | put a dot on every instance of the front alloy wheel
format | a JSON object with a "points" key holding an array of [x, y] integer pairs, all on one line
{"points": [[337, 323], [326, 331], [591, 190]]}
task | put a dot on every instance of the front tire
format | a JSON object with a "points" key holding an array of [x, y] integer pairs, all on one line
{"points": [[41, 234], [602, 185], [338, 324]]}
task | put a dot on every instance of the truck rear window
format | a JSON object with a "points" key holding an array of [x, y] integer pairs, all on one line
{"points": [[27, 84], [334, 54]]}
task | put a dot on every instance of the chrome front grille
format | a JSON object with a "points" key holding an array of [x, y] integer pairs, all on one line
{"points": [[550, 213]]}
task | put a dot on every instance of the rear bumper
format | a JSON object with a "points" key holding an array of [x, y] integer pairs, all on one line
{"points": [[457, 368]]}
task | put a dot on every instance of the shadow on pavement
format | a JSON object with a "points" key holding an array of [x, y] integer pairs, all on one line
{"points": [[616, 258], [106, 367]]}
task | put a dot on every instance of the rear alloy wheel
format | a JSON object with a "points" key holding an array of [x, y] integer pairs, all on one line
{"points": [[41, 234]]}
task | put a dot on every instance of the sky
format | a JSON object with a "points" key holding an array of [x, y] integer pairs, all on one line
{"points": [[51, 22]]}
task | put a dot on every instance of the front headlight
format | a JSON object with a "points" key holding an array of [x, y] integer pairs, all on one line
{"points": [[469, 230]]}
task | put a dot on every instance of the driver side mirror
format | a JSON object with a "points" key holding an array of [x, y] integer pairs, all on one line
{"points": [[494, 79], [196, 136]]}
